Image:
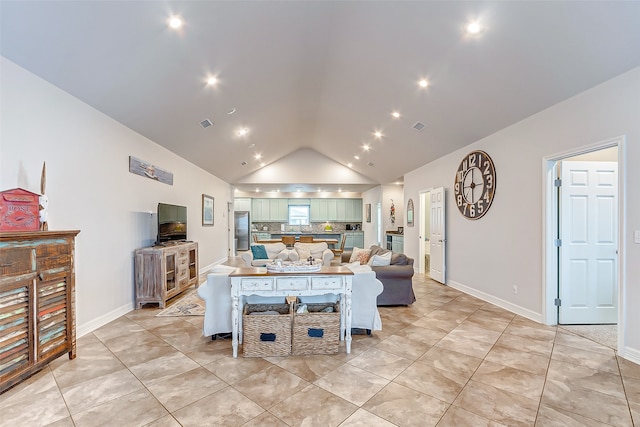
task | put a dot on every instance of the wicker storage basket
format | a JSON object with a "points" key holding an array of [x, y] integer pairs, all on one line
{"points": [[266, 334], [316, 332]]}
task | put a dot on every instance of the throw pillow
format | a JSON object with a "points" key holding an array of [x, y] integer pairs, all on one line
{"points": [[377, 250], [303, 254], [363, 256], [380, 260], [355, 254], [259, 252], [399, 259]]}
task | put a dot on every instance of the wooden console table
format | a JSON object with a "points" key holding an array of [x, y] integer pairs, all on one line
{"points": [[258, 281]]}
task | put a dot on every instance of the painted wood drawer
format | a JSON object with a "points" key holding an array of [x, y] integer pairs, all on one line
{"points": [[292, 283], [257, 284], [326, 283]]}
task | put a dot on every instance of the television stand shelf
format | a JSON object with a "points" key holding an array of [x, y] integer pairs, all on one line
{"points": [[162, 272]]}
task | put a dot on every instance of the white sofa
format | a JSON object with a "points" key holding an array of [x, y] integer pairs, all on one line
{"points": [[319, 251], [274, 251], [216, 292]]}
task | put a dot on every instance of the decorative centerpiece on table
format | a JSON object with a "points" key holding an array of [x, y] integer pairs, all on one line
{"points": [[280, 266]]}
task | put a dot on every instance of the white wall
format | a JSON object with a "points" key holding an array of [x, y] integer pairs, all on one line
{"points": [[91, 189], [393, 193], [490, 255], [370, 229]]}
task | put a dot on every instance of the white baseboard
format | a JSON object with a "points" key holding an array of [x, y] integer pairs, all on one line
{"points": [[121, 311], [524, 312], [631, 354], [207, 268], [94, 324]]}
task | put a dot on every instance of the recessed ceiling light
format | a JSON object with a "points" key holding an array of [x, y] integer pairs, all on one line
{"points": [[231, 111], [365, 147], [242, 131], [298, 189], [212, 80], [423, 83], [257, 190], [395, 115], [350, 164], [175, 22], [356, 157], [473, 28], [258, 156], [377, 134], [339, 190]]}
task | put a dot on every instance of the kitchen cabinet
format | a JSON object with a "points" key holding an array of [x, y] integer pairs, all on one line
{"points": [[336, 210], [353, 210], [242, 204], [269, 210], [279, 210], [260, 210], [395, 243], [321, 210], [259, 235], [318, 210], [355, 239]]}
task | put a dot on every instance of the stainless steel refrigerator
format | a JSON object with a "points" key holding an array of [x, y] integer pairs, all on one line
{"points": [[242, 230]]}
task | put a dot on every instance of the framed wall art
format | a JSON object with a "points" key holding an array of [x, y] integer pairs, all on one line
{"points": [[410, 213], [207, 210]]}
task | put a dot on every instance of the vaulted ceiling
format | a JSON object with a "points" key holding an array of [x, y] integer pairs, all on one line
{"points": [[320, 77]]}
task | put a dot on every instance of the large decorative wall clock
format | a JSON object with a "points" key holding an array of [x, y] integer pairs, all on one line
{"points": [[475, 184]]}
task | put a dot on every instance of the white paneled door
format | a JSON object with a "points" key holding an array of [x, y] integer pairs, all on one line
{"points": [[588, 287], [437, 237]]}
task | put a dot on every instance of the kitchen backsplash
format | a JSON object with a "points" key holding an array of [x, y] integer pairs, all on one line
{"points": [[314, 228]]}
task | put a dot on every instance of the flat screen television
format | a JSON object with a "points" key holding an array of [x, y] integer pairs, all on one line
{"points": [[172, 222]]}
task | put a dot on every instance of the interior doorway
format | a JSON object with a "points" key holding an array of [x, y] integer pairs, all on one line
{"points": [[424, 252], [582, 238]]}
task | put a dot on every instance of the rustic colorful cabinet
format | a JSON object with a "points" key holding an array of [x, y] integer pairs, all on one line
{"points": [[37, 302]]}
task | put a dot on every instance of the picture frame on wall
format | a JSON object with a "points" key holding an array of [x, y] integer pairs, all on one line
{"points": [[367, 212], [410, 213], [207, 210]]}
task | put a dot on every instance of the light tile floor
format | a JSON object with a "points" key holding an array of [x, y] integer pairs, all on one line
{"points": [[447, 360]]}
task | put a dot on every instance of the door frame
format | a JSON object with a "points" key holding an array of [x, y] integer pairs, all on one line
{"points": [[550, 226], [422, 194], [231, 232]]}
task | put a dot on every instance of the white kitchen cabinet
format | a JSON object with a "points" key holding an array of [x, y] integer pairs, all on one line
{"points": [[279, 210], [242, 204], [260, 210]]}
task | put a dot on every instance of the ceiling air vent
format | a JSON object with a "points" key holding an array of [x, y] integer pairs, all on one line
{"points": [[419, 126], [370, 164], [243, 163], [206, 123]]}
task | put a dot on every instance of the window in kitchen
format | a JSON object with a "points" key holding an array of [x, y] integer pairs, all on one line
{"points": [[299, 215]]}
